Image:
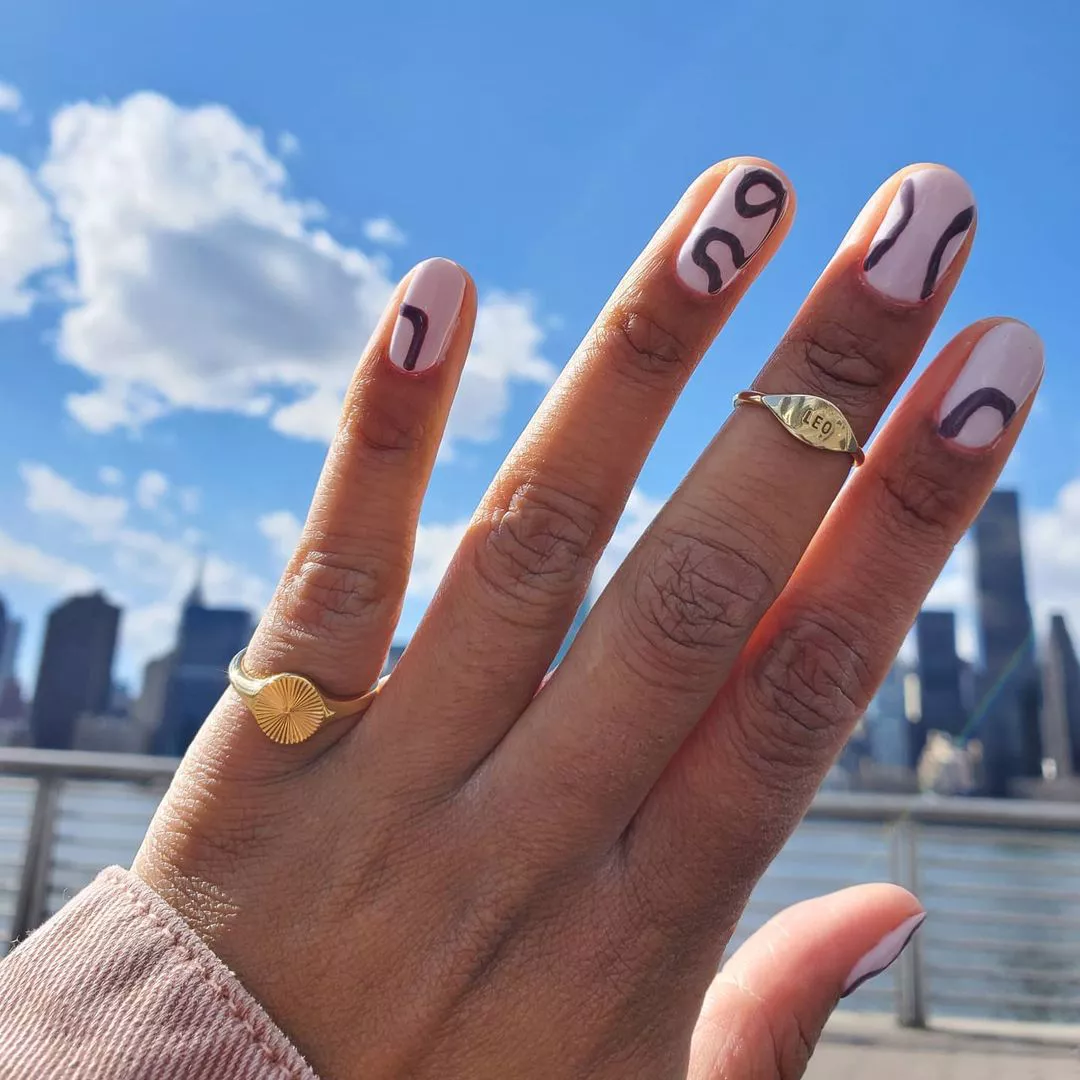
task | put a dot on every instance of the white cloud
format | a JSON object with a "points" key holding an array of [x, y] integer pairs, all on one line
{"points": [[190, 499], [47, 492], [383, 231], [288, 144], [29, 241], [1052, 559], [204, 284], [282, 528], [506, 348], [636, 518], [11, 99], [110, 476], [147, 572], [435, 547], [28, 563], [151, 488]]}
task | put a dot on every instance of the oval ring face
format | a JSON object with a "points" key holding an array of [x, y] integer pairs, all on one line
{"points": [[813, 420], [289, 709]]}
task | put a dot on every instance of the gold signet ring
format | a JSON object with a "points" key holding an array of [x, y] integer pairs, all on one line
{"points": [[812, 420], [291, 708]]}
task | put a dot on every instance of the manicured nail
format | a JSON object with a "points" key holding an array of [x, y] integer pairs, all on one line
{"points": [[731, 228], [920, 235], [883, 954], [1001, 373], [427, 315]]}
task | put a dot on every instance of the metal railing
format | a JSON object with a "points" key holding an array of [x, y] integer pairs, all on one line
{"points": [[1001, 880]]}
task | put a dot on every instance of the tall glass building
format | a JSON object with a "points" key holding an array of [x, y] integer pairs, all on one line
{"points": [[1061, 702], [209, 638], [75, 675], [1006, 716], [940, 677]]}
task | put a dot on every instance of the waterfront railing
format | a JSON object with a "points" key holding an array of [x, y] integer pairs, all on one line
{"points": [[999, 878]]}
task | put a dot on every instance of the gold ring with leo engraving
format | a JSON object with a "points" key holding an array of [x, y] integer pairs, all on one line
{"points": [[290, 708], [812, 420]]}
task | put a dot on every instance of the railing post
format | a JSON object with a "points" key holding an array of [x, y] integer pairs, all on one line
{"points": [[910, 979], [34, 882]]}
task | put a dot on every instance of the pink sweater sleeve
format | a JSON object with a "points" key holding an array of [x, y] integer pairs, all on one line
{"points": [[117, 986]]}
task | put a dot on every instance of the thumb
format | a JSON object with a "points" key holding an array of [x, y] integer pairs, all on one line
{"points": [[764, 1012]]}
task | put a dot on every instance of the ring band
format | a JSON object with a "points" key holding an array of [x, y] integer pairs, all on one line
{"points": [[812, 420], [290, 708]]}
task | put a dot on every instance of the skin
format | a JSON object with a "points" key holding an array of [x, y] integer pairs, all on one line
{"points": [[479, 880]]}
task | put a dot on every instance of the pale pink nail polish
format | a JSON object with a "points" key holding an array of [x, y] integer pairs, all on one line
{"points": [[1000, 374], [427, 316], [733, 225], [920, 235], [883, 954]]}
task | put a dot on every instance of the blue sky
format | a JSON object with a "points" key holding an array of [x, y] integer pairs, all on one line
{"points": [[202, 205]]}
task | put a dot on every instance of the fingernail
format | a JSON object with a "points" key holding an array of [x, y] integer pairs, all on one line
{"points": [[883, 954], [1001, 373], [731, 228], [428, 315], [920, 235]]}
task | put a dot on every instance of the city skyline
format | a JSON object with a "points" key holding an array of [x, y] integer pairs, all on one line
{"points": [[1018, 703]]}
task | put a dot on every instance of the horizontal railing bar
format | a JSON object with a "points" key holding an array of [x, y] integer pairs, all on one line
{"points": [[828, 806], [106, 818], [1024, 1000], [1012, 842], [1006, 918], [1028, 866], [1026, 813], [988, 971], [1052, 948], [992, 888], [85, 764]]}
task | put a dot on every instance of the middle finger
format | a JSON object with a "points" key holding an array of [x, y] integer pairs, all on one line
{"points": [[667, 630], [526, 559]]}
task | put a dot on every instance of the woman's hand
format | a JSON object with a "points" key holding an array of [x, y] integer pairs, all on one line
{"points": [[479, 880]]}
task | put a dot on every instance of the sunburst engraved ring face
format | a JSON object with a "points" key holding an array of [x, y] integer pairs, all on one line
{"points": [[289, 709]]}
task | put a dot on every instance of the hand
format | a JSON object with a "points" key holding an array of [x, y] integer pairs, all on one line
{"points": [[479, 880]]}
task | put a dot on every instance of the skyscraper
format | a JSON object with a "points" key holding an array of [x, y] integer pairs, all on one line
{"points": [[209, 638], [1061, 703], [888, 728], [10, 635], [1006, 716], [940, 672], [75, 675], [150, 707]]}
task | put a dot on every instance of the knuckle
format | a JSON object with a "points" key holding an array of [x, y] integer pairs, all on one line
{"points": [[387, 426], [695, 594], [540, 545], [337, 586], [841, 363], [917, 497], [644, 349], [808, 688]]}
